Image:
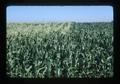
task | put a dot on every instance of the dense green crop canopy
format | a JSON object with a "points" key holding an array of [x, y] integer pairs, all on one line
{"points": [[68, 49]]}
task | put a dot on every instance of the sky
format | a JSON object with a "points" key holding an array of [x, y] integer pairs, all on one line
{"points": [[59, 13]]}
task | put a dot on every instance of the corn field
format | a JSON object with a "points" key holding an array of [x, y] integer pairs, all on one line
{"points": [[59, 49]]}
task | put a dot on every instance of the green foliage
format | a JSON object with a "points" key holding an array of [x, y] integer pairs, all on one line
{"points": [[55, 50]]}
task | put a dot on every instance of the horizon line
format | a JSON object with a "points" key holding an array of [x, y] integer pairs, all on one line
{"points": [[60, 22]]}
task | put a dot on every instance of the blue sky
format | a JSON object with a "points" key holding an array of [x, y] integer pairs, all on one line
{"points": [[59, 13]]}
